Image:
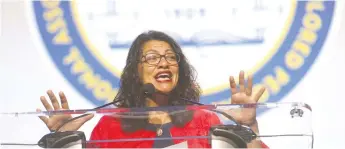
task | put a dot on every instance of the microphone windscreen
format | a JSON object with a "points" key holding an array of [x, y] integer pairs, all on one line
{"points": [[149, 89]]}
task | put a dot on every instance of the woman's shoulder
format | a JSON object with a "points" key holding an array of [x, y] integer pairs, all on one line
{"points": [[108, 121], [204, 113]]}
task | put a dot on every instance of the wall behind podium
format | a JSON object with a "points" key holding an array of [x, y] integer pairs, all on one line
{"points": [[294, 48]]}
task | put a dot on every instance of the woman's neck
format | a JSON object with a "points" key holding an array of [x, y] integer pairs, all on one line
{"points": [[157, 100], [158, 117]]}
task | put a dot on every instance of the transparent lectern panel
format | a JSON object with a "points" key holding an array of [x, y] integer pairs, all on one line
{"points": [[280, 125]]}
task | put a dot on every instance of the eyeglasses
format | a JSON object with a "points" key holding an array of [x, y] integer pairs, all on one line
{"points": [[155, 58]]}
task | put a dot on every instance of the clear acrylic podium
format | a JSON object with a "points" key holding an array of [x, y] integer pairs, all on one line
{"points": [[281, 125]]}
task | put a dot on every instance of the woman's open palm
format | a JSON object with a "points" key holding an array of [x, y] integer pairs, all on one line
{"points": [[53, 122], [244, 95]]}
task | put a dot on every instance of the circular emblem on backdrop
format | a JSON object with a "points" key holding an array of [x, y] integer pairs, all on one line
{"points": [[276, 41]]}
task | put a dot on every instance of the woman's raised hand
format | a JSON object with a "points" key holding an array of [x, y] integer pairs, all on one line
{"points": [[53, 122]]}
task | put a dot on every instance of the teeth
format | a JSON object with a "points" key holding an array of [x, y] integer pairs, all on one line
{"points": [[164, 75], [163, 79]]}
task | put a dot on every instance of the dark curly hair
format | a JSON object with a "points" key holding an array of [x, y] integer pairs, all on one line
{"points": [[130, 90]]}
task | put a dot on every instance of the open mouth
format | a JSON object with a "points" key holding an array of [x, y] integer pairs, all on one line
{"points": [[163, 76]]}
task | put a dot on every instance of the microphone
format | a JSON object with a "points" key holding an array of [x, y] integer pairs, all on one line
{"points": [[149, 89]]}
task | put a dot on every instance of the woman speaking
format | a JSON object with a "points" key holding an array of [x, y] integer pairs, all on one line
{"points": [[155, 58]]}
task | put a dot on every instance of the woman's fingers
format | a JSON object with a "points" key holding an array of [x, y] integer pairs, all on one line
{"points": [[55, 120], [241, 81], [85, 119], [249, 85], [45, 103], [233, 86], [53, 100], [64, 102], [246, 88], [259, 94]]}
